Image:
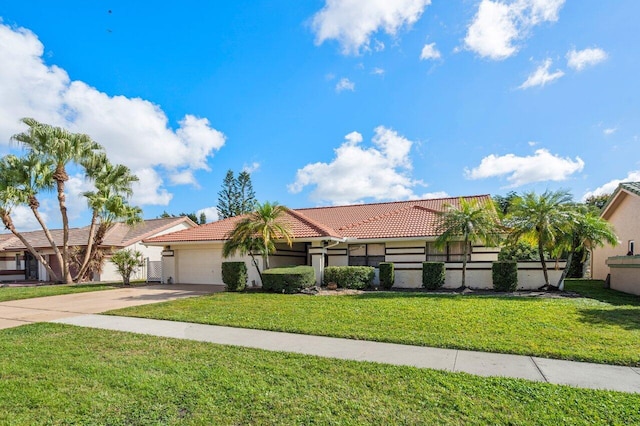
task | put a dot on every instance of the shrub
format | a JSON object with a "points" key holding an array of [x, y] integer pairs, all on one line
{"points": [[234, 275], [505, 276], [356, 277], [289, 279], [519, 251], [432, 275], [387, 275]]}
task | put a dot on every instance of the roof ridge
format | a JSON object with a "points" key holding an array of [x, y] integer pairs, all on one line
{"points": [[376, 218], [177, 220], [394, 202], [319, 226]]}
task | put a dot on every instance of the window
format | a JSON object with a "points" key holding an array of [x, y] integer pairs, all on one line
{"points": [[366, 254], [453, 252], [17, 260], [631, 248]]}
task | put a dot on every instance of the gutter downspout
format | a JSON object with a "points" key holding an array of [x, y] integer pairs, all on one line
{"points": [[324, 252]]}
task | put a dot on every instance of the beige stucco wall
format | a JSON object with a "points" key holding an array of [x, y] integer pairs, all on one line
{"points": [[624, 216], [625, 273]]}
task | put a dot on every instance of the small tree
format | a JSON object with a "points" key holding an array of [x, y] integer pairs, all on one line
{"points": [[228, 197], [469, 221], [127, 262]]}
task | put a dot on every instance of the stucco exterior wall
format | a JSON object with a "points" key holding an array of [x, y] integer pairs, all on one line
{"points": [[624, 216], [152, 253], [625, 273]]}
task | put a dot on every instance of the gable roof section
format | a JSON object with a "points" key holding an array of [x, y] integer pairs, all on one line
{"points": [[400, 219], [119, 235], [622, 191]]}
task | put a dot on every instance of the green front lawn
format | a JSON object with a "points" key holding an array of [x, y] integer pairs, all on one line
{"points": [[604, 327], [17, 293], [57, 374]]}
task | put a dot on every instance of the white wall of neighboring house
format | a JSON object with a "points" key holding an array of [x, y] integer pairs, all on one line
{"points": [[153, 253], [626, 222]]}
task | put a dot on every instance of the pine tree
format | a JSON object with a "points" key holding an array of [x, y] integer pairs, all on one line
{"points": [[246, 194], [203, 218], [228, 197]]}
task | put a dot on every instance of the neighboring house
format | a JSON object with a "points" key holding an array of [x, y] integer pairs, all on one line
{"points": [[365, 234], [621, 262], [17, 263]]}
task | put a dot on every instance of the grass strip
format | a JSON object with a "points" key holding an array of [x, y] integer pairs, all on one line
{"points": [[58, 374]]}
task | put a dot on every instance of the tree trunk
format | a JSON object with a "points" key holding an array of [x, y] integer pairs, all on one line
{"points": [[565, 272], [88, 252], [8, 223], [464, 264], [543, 263], [34, 204], [256, 265], [61, 176]]}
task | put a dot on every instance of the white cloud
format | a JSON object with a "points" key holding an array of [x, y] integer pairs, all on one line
{"points": [[499, 25], [134, 131], [210, 212], [541, 76], [532, 143], [353, 22], [377, 71], [184, 177], [76, 203], [610, 131], [540, 167], [250, 168], [149, 190], [345, 84], [24, 220], [429, 51], [580, 59], [380, 172], [609, 187]]}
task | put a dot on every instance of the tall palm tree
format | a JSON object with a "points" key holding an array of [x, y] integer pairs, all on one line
{"points": [[588, 230], [471, 221], [31, 175], [258, 231], [112, 182], [12, 195], [545, 219], [62, 148]]}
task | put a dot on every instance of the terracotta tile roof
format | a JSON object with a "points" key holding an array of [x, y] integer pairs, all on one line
{"points": [[400, 219], [119, 235]]}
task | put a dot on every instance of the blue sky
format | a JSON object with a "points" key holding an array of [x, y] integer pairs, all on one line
{"points": [[331, 102]]}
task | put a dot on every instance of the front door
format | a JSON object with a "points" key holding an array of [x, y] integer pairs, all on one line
{"points": [[30, 267]]}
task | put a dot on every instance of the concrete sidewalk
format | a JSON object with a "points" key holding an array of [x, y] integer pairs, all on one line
{"points": [[578, 374]]}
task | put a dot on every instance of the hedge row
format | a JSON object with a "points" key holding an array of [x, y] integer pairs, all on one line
{"points": [[356, 277], [289, 279], [234, 275]]}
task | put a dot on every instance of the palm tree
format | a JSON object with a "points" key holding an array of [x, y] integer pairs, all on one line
{"points": [[471, 221], [257, 232], [545, 219], [112, 182], [588, 230], [32, 175], [12, 195], [62, 147]]}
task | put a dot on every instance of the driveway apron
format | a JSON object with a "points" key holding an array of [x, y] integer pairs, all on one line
{"points": [[19, 312]]}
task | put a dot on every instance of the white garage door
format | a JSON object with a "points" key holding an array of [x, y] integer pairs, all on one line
{"points": [[200, 266]]}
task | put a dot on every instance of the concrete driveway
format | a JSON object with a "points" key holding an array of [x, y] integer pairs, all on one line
{"points": [[19, 312]]}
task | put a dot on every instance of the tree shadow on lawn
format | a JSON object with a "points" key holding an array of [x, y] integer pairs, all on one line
{"points": [[594, 289], [627, 318], [481, 294]]}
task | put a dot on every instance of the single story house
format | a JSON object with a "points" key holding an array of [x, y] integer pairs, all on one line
{"points": [[622, 262], [18, 264], [402, 232]]}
